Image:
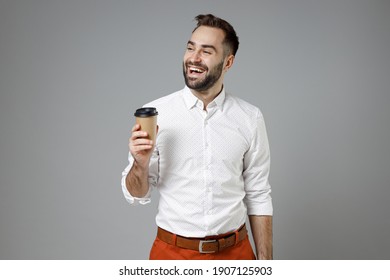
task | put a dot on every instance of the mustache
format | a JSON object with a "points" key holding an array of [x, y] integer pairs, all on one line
{"points": [[200, 65]]}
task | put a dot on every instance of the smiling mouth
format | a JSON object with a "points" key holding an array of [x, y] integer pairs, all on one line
{"points": [[197, 70]]}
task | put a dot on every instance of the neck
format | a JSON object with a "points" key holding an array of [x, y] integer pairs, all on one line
{"points": [[209, 95]]}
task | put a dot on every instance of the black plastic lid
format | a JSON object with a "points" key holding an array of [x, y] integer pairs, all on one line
{"points": [[146, 112]]}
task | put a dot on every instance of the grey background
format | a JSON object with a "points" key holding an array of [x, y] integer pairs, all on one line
{"points": [[73, 72]]}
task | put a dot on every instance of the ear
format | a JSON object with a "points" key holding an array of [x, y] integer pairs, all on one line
{"points": [[229, 62]]}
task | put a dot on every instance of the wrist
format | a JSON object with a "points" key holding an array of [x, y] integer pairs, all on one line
{"points": [[141, 167]]}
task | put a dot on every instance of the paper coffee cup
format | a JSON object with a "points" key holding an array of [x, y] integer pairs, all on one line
{"points": [[146, 117]]}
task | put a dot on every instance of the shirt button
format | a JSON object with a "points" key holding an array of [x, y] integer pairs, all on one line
{"points": [[210, 212]]}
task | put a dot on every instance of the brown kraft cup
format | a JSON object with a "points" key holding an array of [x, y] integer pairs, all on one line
{"points": [[146, 117]]}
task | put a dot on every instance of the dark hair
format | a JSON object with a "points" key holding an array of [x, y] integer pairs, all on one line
{"points": [[231, 39]]}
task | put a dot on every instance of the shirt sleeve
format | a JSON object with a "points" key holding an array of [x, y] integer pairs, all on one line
{"points": [[153, 179], [256, 172]]}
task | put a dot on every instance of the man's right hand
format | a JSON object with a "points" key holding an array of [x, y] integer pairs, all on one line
{"points": [[140, 146]]}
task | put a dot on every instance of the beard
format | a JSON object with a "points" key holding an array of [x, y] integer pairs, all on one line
{"points": [[208, 81]]}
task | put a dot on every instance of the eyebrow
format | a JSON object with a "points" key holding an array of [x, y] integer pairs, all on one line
{"points": [[203, 46]]}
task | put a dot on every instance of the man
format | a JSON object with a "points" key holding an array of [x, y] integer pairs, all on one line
{"points": [[210, 161]]}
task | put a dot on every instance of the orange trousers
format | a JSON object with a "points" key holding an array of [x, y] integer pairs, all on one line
{"points": [[164, 251]]}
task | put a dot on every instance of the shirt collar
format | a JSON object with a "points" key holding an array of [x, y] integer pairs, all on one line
{"points": [[191, 100]]}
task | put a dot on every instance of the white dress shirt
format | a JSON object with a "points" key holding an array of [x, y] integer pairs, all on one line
{"points": [[211, 166]]}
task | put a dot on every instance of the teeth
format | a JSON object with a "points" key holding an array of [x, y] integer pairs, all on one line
{"points": [[196, 70]]}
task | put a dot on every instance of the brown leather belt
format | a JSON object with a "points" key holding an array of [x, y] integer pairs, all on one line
{"points": [[209, 244]]}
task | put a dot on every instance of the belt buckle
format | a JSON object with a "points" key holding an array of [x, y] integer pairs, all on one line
{"points": [[201, 242]]}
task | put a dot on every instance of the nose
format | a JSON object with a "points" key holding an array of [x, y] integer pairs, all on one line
{"points": [[195, 57]]}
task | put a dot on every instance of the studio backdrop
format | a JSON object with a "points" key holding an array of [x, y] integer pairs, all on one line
{"points": [[73, 72]]}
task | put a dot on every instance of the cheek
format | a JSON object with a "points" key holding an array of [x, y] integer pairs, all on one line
{"points": [[186, 56]]}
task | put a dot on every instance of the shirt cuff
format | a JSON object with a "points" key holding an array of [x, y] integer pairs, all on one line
{"points": [[131, 199], [260, 206]]}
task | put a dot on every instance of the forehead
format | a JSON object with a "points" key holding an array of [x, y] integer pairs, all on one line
{"points": [[205, 35]]}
